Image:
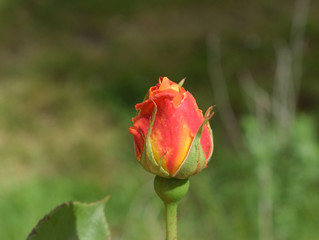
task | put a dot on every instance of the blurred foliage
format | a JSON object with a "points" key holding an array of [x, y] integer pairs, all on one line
{"points": [[71, 72], [294, 166]]}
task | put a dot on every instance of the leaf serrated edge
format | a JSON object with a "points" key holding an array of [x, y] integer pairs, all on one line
{"points": [[46, 217]]}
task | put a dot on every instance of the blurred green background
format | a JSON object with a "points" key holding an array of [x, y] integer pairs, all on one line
{"points": [[72, 71]]}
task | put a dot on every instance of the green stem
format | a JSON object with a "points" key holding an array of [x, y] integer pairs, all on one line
{"points": [[171, 221], [171, 191]]}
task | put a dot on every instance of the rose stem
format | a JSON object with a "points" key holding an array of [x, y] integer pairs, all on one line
{"points": [[171, 191]]}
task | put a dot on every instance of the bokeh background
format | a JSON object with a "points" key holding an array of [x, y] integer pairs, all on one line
{"points": [[72, 71]]}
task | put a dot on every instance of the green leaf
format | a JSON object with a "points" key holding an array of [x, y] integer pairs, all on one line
{"points": [[73, 221]]}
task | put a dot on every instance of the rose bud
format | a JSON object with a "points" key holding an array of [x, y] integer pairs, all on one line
{"points": [[172, 137]]}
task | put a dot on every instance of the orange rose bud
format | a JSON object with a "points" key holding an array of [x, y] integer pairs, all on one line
{"points": [[172, 137]]}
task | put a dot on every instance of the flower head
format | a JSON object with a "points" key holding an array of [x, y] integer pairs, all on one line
{"points": [[172, 137]]}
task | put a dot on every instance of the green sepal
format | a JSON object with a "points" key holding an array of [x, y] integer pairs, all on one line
{"points": [[181, 83], [195, 160], [147, 160], [212, 136]]}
